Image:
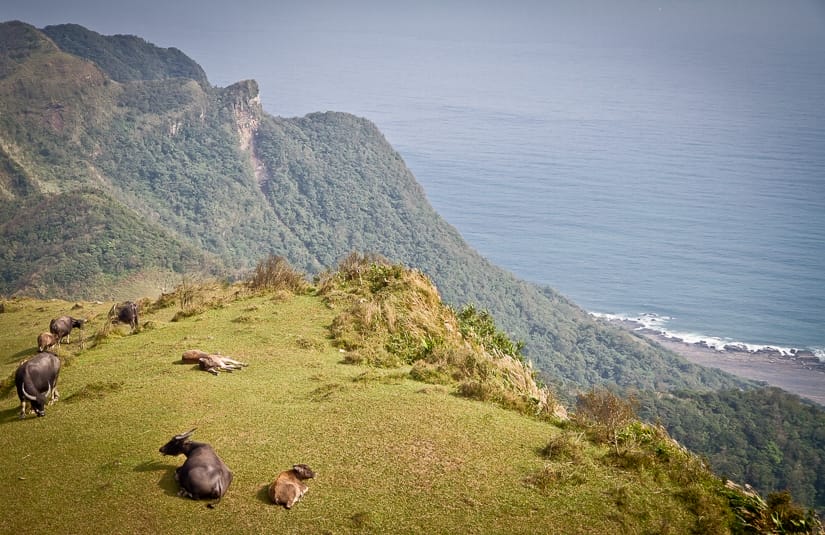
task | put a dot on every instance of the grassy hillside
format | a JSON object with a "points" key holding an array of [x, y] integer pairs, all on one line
{"points": [[391, 454]]}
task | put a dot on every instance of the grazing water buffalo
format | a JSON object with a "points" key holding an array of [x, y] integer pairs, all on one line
{"points": [[45, 341], [289, 486], [36, 381], [126, 312], [203, 475], [62, 326]]}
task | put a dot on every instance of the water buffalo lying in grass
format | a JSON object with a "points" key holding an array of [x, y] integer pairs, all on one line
{"points": [[203, 475], [215, 363], [36, 382], [289, 486]]}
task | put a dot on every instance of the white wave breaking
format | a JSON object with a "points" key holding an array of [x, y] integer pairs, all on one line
{"points": [[657, 324]]}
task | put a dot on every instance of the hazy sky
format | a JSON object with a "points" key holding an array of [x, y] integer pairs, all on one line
{"points": [[258, 38]]}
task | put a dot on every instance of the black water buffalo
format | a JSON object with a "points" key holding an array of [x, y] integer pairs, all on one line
{"points": [[62, 326], [36, 382], [126, 312], [203, 475]]}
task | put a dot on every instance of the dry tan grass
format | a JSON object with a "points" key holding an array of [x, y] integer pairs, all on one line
{"points": [[390, 315], [275, 273]]}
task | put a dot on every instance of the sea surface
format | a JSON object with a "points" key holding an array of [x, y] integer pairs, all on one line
{"points": [[682, 185]]}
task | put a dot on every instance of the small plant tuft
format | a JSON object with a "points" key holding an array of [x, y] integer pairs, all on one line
{"points": [[165, 300], [326, 392], [7, 384], [552, 476], [361, 520], [187, 313], [309, 344], [427, 372], [564, 446]]}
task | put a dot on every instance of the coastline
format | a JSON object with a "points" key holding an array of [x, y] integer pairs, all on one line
{"points": [[800, 373]]}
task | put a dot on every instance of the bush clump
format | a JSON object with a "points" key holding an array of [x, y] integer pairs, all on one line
{"points": [[275, 273], [564, 446], [776, 515], [605, 414]]}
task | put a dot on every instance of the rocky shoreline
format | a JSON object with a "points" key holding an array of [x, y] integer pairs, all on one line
{"points": [[799, 372]]}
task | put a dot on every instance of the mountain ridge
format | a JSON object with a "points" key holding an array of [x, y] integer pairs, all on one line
{"points": [[125, 57]]}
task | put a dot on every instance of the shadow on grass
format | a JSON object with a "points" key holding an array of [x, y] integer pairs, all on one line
{"points": [[10, 415], [167, 480], [20, 355], [263, 494], [94, 391], [180, 362]]}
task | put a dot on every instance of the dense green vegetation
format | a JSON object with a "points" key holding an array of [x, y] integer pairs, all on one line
{"points": [[764, 436], [145, 168], [79, 246], [125, 57]]}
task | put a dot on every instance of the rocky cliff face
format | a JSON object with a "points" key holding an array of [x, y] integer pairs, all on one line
{"points": [[245, 103], [243, 100]]}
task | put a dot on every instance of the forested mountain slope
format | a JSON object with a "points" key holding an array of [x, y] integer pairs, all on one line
{"points": [[216, 173], [125, 57]]}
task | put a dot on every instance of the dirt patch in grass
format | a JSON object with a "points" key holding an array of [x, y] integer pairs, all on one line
{"points": [[309, 344], [326, 392], [94, 391], [376, 376]]}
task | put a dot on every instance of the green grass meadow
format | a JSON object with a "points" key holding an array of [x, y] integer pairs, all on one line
{"points": [[392, 455]]}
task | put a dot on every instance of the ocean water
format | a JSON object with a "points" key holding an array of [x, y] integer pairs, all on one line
{"points": [[694, 207], [681, 184]]}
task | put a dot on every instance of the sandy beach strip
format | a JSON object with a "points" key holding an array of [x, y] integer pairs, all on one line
{"points": [[802, 374]]}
